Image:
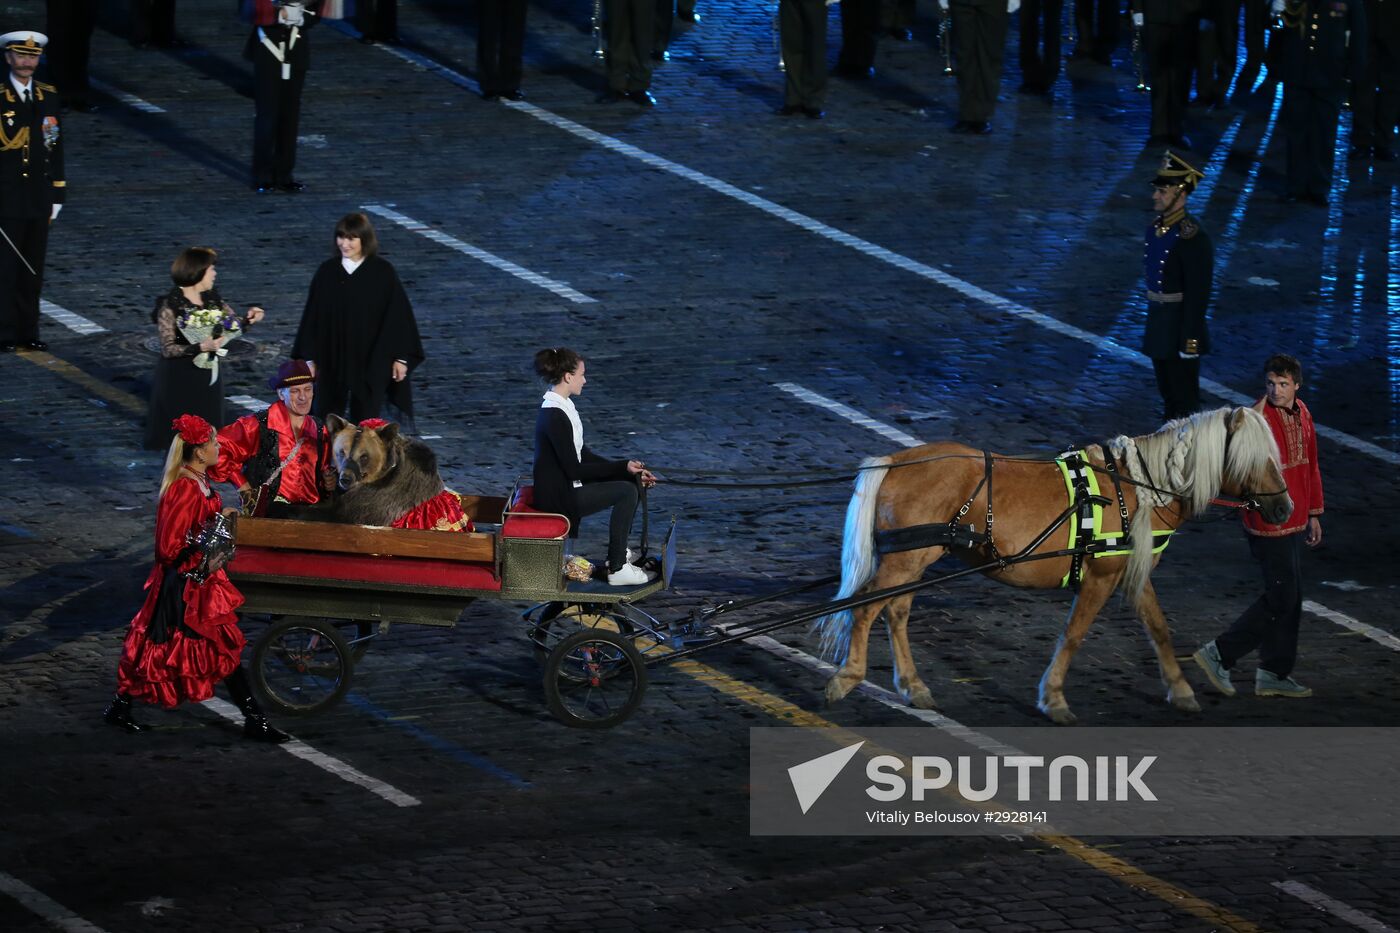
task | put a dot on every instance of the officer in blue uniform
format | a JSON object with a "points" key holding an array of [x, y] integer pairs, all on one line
{"points": [[1322, 44], [1179, 266]]}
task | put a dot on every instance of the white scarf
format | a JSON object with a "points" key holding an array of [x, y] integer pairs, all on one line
{"points": [[553, 399], [350, 265]]}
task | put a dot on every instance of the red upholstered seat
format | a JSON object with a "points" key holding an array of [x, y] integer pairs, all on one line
{"points": [[358, 568], [525, 521]]}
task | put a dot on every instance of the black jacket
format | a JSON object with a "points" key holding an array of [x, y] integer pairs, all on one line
{"points": [[31, 152], [1324, 45], [557, 466]]}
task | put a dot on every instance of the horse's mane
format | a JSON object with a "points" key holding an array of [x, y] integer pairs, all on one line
{"points": [[1189, 458]]}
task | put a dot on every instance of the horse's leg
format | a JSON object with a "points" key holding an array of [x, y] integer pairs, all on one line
{"points": [[906, 675], [1179, 692], [894, 570], [1094, 590]]}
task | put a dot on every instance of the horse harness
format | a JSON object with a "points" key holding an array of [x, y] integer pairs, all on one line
{"points": [[1087, 534]]}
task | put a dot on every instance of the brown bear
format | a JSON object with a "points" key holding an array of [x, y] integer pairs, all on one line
{"points": [[386, 478]]}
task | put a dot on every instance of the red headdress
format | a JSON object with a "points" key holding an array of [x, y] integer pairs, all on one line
{"points": [[373, 424], [193, 429]]}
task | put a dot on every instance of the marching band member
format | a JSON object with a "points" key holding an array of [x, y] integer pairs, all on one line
{"points": [[186, 639], [570, 478], [802, 31], [979, 37], [280, 56], [631, 29]]}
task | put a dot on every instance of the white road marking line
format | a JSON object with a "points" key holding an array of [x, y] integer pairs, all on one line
{"points": [[74, 322], [1331, 905], [250, 403], [131, 100], [850, 414], [53, 913], [1380, 636], [321, 760], [491, 259]]}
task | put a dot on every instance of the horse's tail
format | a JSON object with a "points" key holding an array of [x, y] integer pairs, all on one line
{"points": [[1140, 558], [857, 557]]}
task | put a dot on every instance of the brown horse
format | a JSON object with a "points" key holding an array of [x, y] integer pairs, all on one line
{"points": [[1181, 468]]}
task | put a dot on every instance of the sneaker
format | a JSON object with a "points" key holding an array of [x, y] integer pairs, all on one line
{"points": [[1208, 657], [1269, 685], [631, 556], [630, 575]]}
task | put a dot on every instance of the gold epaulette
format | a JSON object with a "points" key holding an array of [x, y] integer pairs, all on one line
{"points": [[46, 87], [1189, 227]]}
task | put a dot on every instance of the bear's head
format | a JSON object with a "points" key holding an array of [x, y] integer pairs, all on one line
{"points": [[362, 455]]}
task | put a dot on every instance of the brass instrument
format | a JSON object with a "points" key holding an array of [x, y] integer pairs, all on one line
{"points": [[778, 35], [945, 35], [597, 24], [1142, 85]]}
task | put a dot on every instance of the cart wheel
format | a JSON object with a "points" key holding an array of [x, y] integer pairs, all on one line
{"points": [[594, 679], [574, 618], [301, 666]]}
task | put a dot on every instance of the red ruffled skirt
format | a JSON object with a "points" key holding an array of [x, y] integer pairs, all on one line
{"points": [[186, 667], [442, 512]]}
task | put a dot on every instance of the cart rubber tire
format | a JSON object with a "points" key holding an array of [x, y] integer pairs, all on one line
{"points": [[586, 615], [595, 703], [331, 649]]}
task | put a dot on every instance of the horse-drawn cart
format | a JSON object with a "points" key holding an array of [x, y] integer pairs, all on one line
{"points": [[328, 590]]}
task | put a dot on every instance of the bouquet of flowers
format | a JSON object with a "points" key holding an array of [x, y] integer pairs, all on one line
{"points": [[199, 325]]}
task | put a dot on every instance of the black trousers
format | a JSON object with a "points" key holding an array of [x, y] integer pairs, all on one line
{"points": [[630, 26], [278, 113], [979, 39], [1270, 624], [70, 35], [1216, 53], [802, 29], [500, 45], [666, 11], [19, 288], [860, 21], [1375, 99], [378, 19], [1096, 28], [1171, 51], [152, 22], [1040, 42], [1310, 117], [619, 495], [1179, 382]]}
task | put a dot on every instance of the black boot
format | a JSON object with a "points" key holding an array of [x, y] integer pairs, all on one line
{"points": [[119, 714], [255, 724]]}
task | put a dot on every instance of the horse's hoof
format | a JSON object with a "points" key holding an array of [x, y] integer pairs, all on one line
{"points": [[1186, 704], [921, 698], [1061, 716], [836, 690]]}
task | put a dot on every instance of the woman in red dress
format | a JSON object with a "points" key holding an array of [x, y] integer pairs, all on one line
{"points": [[186, 639]]}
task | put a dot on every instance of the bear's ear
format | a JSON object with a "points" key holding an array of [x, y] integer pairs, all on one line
{"points": [[335, 424], [388, 433]]}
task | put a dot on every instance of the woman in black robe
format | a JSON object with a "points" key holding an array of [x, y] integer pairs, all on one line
{"points": [[180, 387], [358, 330]]}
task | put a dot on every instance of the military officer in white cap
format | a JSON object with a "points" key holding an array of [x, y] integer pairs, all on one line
{"points": [[31, 187]]}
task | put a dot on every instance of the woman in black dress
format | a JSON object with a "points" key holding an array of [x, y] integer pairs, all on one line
{"points": [[180, 387], [358, 330], [571, 479]]}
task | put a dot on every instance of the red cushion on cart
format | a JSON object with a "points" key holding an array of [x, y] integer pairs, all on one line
{"points": [[360, 568], [525, 521]]}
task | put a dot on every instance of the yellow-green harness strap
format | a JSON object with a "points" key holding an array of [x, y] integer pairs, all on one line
{"points": [[1087, 534]]}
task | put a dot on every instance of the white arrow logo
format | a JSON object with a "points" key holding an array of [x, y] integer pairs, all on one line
{"points": [[811, 778]]}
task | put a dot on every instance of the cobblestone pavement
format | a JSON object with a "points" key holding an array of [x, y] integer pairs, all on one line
{"points": [[700, 254]]}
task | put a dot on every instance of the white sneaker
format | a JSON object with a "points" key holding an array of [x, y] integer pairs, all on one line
{"points": [[631, 556], [629, 575]]}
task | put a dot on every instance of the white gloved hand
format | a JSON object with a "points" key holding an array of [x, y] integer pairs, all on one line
{"points": [[1137, 20], [1013, 5], [293, 14], [943, 4], [1277, 7], [1181, 353], [53, 215]]}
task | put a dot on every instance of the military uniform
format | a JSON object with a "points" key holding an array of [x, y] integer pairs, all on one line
{"points": [[1040, 43], [979, 43], [500, 47], [1316, 60], [667, 12], [1178, 269], [1375, 99], [860, 21], [1216, 50], [31, 183], [802, 29], [281, 57], [1169, 44], [1096, 29]]}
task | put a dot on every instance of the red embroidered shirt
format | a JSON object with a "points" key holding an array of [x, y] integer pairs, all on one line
{"points": [[238, 443], [1297, 446]]}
